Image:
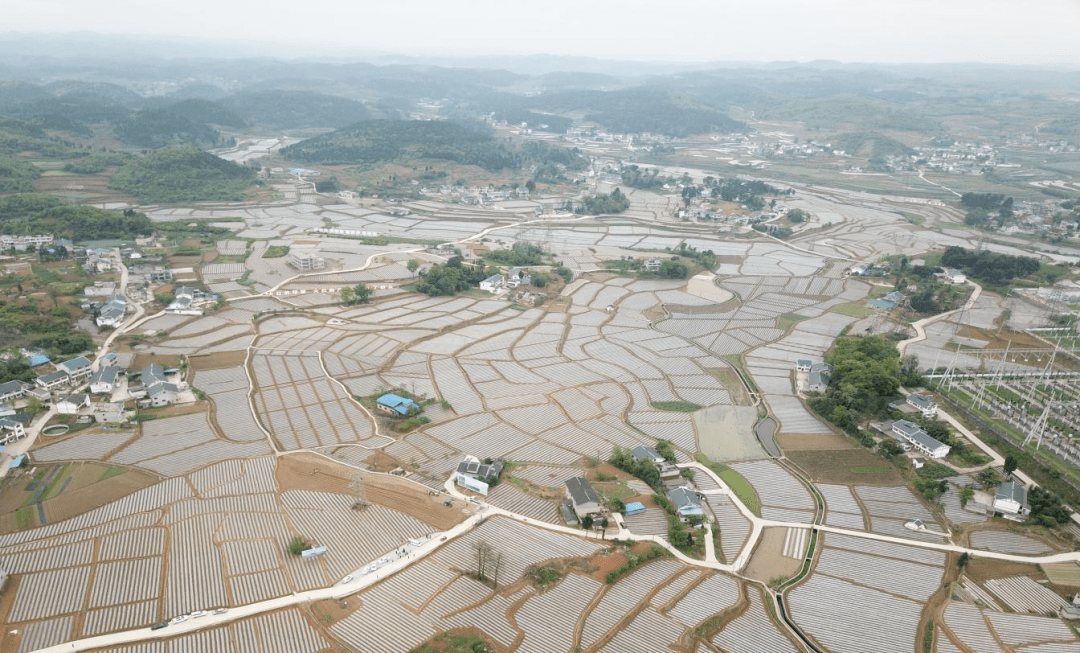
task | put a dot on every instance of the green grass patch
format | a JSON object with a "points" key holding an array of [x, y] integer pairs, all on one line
{"points": [[57, 484], [736, 361], [676, 406], [276, 251], [113, 471], [856, 310], [913, 218], [615, 491], [736, 481], [24, 517], [447, 643], [936, 472], [788, 320]]}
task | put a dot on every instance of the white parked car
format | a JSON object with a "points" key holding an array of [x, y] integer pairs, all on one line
{"points": [[221, 611], [383, 560], [180, 619], [346, 580], [198, 613]]}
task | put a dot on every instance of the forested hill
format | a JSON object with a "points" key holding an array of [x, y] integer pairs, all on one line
{"points": [[183, 173], [374, 141], [32, 213]]}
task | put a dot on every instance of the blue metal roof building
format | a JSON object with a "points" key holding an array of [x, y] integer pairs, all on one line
{"points": [[396, 405]]}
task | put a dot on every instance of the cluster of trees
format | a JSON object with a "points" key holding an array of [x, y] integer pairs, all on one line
{"points": [[867, 372], [519, 254], [613, 202], [358, 294], [1046, 508], [646, 470], [795, 216], [772, 229], [183, 173], [743, 190], [981, 206], [988, 266], [704, 258], [644, 178], [450, 278]]}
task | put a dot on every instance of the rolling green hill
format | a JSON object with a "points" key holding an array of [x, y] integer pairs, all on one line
{"points": [[375, 141], [183, 173]]}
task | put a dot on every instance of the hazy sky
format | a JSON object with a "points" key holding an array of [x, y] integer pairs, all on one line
{"points": [[999, 31]]}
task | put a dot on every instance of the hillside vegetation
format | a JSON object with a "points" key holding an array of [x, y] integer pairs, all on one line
{"points": [[377, 141], [183, 173], [32, 213]]}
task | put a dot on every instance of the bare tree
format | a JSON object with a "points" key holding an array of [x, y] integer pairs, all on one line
{"points": [[483, 552]]}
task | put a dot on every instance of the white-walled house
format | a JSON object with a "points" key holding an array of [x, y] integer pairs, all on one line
{"points": [[71, 404]]}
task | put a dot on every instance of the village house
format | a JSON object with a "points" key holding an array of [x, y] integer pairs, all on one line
{"points": [[582, 496], [686, 502], [954, 276], [104, 380], [11, 391], [920, 439], [492, 284], [53, 380], [925, 404], [112, 312], [71, 404], [397, 405], [77, 368], [1011, 498], [155, 383], [820, 375]]}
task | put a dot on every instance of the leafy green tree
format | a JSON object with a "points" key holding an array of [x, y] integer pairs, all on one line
{"points": [[587, 522], [1010, 465], [666, 449], [967, 493], [413, 265], [963, 560], [358, 294], [988, 478], [296, 545], [1046, 508], [889, 449]]}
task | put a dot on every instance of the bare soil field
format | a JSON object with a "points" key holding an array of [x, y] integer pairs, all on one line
{"points": [[71, 490], [217, 361], [813, 442], [730, 378], [305, 471], [981, 570], [769, 560], [144, 358], [846, 467]]}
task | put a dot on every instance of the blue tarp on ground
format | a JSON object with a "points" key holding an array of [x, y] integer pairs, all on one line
{"points": [[635, 508], [38, 360], [17, 461]]}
